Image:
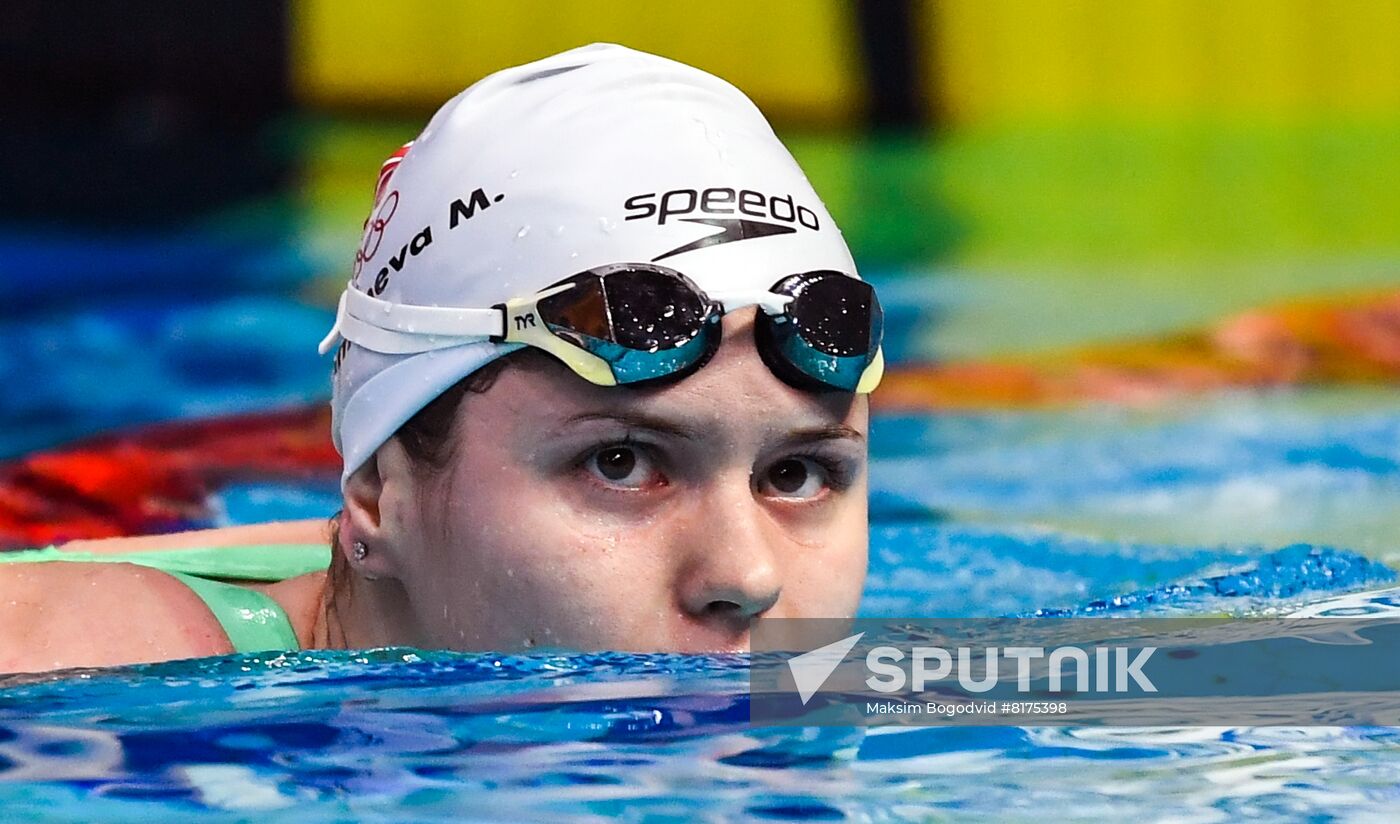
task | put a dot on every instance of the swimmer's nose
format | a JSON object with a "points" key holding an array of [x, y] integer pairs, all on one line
{"points": [[731, 574], [739, 601]]}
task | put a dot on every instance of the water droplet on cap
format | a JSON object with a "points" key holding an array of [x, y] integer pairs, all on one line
{"points": [[524, 230]]}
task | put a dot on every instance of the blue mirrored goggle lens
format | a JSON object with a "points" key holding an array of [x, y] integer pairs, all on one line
{"points": [[830, 331], [647, 322], [835, 371], [834, 313], [654, 312], [640, 365]]}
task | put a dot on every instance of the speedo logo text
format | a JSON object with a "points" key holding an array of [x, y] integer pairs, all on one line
{"points": [[737, 214], [679, 203]]}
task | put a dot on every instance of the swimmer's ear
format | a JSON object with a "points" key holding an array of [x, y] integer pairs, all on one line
{"points": [[372, 489], [362, 491]]}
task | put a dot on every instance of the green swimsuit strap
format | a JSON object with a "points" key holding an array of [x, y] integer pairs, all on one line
{"points": [[253, 621], [254, 562]]}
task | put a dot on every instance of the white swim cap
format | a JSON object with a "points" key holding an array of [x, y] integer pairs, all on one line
{"points": [[594, 156]]}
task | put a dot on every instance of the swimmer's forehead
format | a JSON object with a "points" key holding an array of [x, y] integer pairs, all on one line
{"points": [[747, 401]]}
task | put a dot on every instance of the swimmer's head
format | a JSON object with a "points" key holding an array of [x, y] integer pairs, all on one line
{"points": [[509, 503], [595, 156]]}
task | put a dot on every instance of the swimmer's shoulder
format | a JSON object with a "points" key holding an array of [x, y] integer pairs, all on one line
{"points": [[59, 615]]}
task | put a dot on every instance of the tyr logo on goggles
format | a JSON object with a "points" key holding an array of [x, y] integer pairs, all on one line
{"points": [[634, 323]]}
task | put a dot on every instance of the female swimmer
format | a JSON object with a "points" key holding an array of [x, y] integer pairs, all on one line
{"points": [[600, 383]]}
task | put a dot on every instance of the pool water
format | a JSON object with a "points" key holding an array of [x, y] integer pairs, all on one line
{"points": [[408, 735], [1242, 502]]}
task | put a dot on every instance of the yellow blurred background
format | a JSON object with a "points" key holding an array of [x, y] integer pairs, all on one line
{"points": [[1087, 169], [986, 60]]}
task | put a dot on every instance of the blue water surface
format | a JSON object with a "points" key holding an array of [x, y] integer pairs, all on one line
{"points": [[411, 735]]}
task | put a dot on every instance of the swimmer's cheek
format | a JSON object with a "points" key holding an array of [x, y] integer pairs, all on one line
{"points": [[56, 616]]}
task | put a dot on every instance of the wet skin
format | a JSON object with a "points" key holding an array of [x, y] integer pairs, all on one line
{"points": [[584, 517]]}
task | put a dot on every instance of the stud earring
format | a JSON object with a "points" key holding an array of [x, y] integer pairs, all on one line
{"points": [[361, 550]]}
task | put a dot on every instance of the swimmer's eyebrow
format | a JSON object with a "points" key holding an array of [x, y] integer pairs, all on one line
{"points": [[638, 421], [829, 432], [633, 420]]}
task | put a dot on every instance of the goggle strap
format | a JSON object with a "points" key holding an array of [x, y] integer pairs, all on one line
{"points": [[505, 323], [400, 329], [334, 336], [411, 319], [390, 342]]}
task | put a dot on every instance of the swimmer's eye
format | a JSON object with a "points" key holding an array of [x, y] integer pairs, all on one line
{"points": [[800, 476], [622, 465]]}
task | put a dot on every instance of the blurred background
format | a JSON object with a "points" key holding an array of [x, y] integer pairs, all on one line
{"points": [[1141, 258]]}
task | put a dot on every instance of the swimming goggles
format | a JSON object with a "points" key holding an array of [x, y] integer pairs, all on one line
{"points": [[635, 323]]}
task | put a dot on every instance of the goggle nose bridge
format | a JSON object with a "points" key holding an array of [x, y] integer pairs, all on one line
{"points": [[771, 303]]}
